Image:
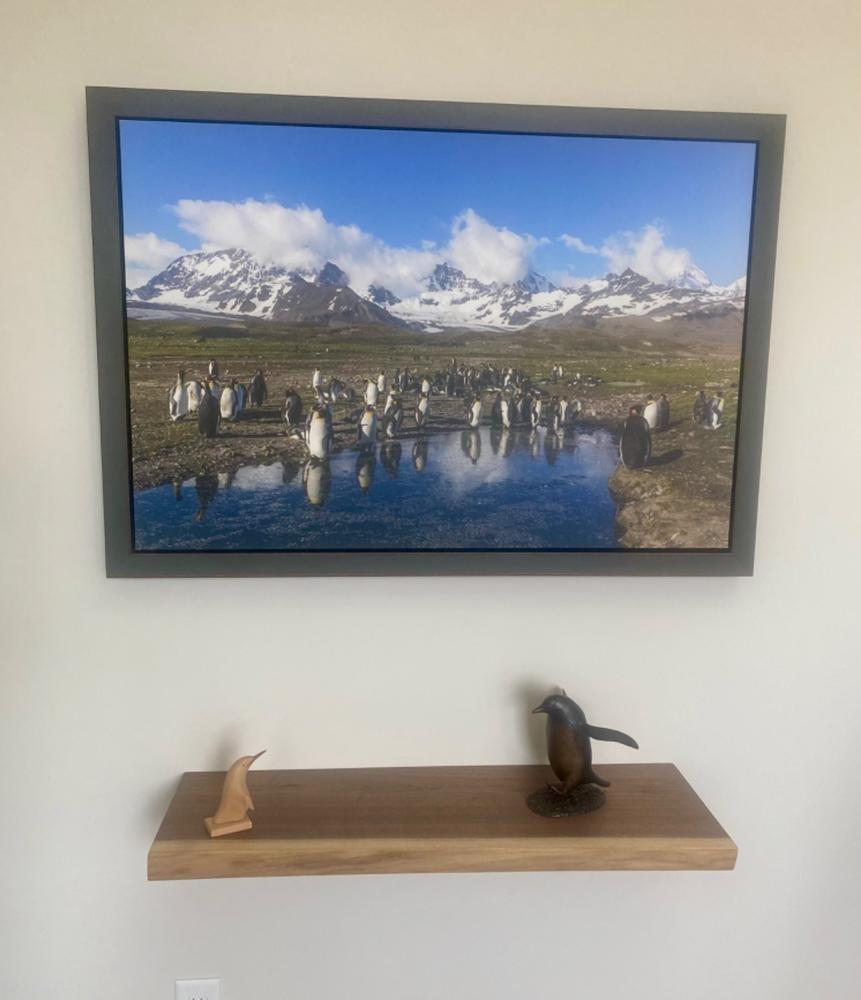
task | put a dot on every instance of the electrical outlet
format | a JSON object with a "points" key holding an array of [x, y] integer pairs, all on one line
{"points": [[197, 989]]}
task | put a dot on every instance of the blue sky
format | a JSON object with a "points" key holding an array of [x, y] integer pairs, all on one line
{"points": [[387, 201]]}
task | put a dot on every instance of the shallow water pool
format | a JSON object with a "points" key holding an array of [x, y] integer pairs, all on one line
{"points": [[481, 489]]}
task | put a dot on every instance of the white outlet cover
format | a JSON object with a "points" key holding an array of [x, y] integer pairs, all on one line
{"points": [[197, 989]]}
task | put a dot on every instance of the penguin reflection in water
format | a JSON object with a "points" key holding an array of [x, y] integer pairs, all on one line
{"points": [[420, 455], [553, 441], [289, 471], [501, 441], [390, 455], [317, 480], [568, 743], [206, 487], [470, 444], [366, 464]]}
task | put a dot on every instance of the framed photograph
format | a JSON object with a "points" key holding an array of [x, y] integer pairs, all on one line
{"points": [[343, 336]]}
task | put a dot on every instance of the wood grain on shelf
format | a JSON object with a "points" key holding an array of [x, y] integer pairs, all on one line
{"points": [[437, 819]]}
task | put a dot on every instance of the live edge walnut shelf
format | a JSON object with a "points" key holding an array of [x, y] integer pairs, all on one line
{"points": [[437, 819]]}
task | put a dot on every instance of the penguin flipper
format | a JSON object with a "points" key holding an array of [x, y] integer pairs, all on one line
{"points": [[611, 736]]}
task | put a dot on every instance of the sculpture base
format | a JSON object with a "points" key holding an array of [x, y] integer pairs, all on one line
{"points": [[222, 829], [584, 799]]}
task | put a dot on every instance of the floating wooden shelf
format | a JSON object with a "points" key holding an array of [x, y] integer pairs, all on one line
{"points": [[437, 819]]}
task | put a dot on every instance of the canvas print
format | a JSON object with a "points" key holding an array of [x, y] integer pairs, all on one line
{"points": [[380, 339]]}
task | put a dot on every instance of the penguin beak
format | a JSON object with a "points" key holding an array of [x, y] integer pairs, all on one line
{"points": [[540, 708], [257, 755]]}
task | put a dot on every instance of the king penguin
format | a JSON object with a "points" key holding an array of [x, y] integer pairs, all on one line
{"points": [[318, 434], [635, 444], [496, 411], [227, 403], [258, 391], [505, 414], [208, 415], [474, 412], [292, 410], [568, 743], [650, 412], [366, 431], [535, 414], [422, 410], [394, 419], [663, 412], [194, 392], [178, 398]]}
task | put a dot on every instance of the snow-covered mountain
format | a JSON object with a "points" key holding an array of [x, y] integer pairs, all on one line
{"points": [[737, 289], [692, 277], [451, 299], [630, 294], [234, 282]]}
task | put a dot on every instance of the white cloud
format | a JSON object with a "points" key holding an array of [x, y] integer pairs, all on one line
{"points": [[646, 253], [575, 243], [146, 254], [486, 252], [567, 279], [302, 237]]}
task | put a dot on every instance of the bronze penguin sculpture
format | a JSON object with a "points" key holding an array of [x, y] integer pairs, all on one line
{"points": [[568, 743]]}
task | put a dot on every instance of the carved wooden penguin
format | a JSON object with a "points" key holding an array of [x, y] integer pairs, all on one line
{"points": [[568, 743], [232, 813]]}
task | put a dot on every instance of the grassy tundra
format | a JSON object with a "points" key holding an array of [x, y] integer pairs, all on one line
{"points": [[681, 500]]}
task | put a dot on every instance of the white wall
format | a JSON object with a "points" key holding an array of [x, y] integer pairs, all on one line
{"points": [[112, 688]]}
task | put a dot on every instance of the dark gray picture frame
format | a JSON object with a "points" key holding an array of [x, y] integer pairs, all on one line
{"points": [[106, 105]]}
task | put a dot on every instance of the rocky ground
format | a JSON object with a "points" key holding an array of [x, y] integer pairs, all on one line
{"points": [[681, 499]]}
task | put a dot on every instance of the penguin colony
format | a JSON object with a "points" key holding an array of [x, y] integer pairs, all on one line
{"points": [[508, 395]]}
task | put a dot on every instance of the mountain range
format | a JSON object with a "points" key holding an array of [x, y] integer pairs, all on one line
{"points": [[235, 283]]}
